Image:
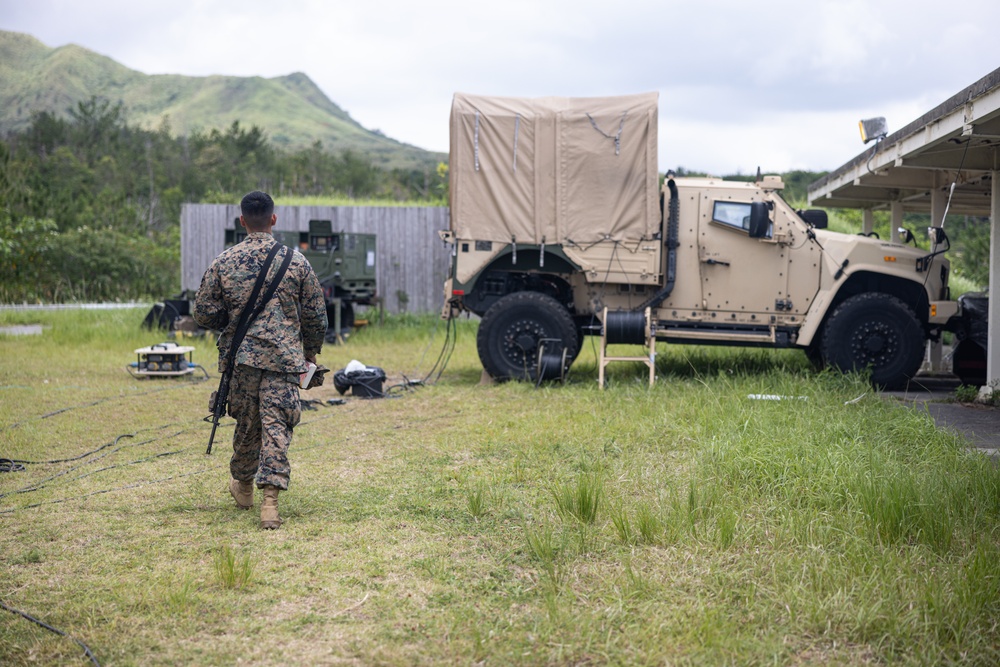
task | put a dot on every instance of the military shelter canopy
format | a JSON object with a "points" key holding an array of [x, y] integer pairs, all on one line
{"points": [[554, 170], [945, 162], [957, 141]]}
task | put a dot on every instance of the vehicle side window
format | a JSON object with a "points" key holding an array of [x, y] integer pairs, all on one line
{"points": [[733, 214]]}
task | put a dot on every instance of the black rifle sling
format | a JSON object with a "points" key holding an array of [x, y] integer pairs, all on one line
{"points": [[252, 309], [271, 288]]}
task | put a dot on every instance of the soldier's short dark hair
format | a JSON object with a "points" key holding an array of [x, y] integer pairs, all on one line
{"points": [[257, 208]]}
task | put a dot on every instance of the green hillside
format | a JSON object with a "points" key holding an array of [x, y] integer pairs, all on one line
{"points": [[291, 109]]}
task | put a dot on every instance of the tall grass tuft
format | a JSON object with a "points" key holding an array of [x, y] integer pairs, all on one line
{"points": [[579, 501], [180, 595], [649, 524], [475, 499], [545, 548], [623, 526], [726, 521], [900, 506], [234, 572]]}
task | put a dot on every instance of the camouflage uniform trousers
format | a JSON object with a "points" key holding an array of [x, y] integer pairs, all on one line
{"points": [[266, 407]]}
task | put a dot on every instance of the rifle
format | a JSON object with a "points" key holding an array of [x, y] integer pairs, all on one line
{"points": [[220, 397]]}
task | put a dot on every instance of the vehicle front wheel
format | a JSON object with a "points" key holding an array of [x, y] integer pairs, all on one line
{"points": [[878, 332], [516, 327]]}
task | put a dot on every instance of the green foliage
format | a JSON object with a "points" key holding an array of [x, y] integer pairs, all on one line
{"points": [[796, 182], [90, 205], [24, 246], [30, 557], [970, 237], [39, 264], [966, 393]]}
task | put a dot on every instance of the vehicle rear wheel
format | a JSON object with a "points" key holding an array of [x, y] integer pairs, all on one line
{"points": [[514, 329], [878, 332]]}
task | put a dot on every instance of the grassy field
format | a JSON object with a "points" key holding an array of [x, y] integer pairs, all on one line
{"points": [[459, 523]]}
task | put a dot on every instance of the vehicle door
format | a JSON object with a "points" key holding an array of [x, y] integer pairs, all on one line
{"points": [[744, 279]]}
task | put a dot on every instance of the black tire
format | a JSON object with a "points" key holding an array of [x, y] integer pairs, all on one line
{"points": [[512, 330], [878, 332]]}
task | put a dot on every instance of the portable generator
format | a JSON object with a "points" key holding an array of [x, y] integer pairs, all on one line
{"points": [[163, 360]]}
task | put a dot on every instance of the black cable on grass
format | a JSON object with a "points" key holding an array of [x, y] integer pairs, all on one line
{"points": [[420, 362], [18, 465], [129, 463], [86, 649], [41, 484], [187, 474], [127, 486], [76, 458], [97, 493], [98, 402], [11, 465], [450, 339]]}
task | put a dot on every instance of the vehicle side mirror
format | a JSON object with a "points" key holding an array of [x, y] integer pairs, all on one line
{"points": [[760, 220], [814, 217]]}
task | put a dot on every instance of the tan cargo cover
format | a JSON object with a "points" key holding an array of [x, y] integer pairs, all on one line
{"points": [[554, 170]]}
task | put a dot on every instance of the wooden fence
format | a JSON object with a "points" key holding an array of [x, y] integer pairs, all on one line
{"points": [[411, 262]]}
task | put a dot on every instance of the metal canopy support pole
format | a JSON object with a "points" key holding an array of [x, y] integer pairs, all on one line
{"points": [[868, 220], [896, 208], [939, 201], [993, 349]]}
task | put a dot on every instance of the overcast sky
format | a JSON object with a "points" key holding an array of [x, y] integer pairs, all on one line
{"points": [[779, 84]]}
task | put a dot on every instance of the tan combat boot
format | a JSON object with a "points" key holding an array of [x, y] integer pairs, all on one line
{"points": [[269, 519], [242, 492]]}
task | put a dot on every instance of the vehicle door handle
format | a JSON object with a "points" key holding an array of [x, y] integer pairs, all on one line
{"points": [[716, 261]]}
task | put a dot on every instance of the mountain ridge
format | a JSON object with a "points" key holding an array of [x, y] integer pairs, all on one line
{"points": [[292, 110]]}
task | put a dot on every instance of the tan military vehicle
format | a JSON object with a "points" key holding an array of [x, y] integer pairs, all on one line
{"points": [[557, 215]]}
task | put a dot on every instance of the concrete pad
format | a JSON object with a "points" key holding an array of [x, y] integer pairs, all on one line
{"points": [[21, 330], [979, 424]]}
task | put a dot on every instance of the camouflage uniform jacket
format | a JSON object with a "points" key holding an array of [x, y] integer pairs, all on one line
{"points": [[292, 324]]}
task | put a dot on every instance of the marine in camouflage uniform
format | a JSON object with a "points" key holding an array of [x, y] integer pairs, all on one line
{"points": [[264, 393]]}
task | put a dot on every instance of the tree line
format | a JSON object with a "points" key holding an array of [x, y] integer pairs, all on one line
{"points": [[90, 204]]}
